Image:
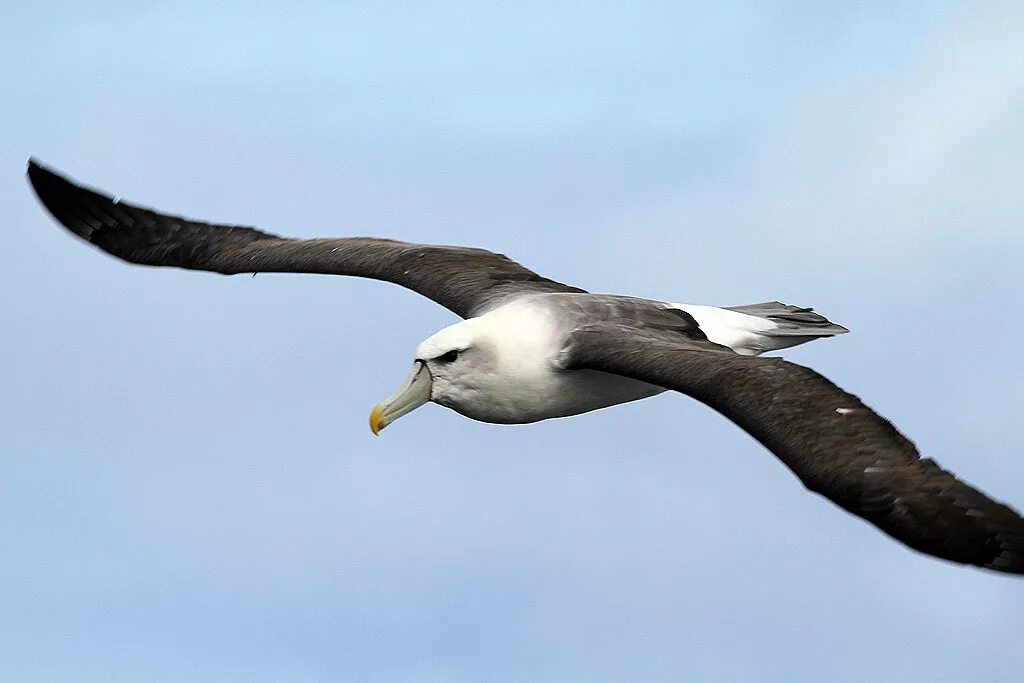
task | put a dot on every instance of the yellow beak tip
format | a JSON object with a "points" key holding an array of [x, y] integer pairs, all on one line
{"points": [[376, 420]]}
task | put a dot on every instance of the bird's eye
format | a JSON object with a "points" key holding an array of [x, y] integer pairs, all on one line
{"points": [[448, 357]]}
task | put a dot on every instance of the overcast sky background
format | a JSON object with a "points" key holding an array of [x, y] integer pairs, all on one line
{"points": [[189, 491]]}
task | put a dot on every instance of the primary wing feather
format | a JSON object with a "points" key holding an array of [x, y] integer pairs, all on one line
{"points": [[835, 444], [464, 280]]}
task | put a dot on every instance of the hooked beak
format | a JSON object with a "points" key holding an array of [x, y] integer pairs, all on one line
{"points": [[413, 393]]}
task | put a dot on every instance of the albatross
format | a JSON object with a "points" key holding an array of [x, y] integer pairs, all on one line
{"points": [[530, 348]]}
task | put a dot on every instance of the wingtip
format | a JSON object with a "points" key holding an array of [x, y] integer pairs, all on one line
{"points": [[61, 198], [35, 165], [38, 173]]}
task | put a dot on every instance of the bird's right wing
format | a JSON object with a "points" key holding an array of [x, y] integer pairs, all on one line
{"points": [[835, 444], [463, 280]]}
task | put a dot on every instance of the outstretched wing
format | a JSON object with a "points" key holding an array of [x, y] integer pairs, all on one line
{"points": [[836, 445], [463, 280]]}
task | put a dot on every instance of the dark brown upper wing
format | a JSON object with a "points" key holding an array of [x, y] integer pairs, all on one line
{"points": [[836, 445], [463, 280]]}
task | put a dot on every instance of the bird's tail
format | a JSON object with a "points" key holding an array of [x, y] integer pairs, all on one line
{"points": [[793, 321], [756, 328], [791, 325]]}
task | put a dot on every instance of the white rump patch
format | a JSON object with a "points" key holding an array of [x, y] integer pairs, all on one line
{"points": [[747, 335]]}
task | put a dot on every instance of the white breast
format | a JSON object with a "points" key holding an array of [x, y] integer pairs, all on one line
{"points": [[524, 383]]}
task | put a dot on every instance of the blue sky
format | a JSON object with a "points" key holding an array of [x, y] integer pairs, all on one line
{"points": [[189, 488]]}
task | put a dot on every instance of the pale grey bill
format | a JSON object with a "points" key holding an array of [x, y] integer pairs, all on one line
{"points": [[414, 392]]}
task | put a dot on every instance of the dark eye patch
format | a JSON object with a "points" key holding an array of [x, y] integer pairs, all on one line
{"points": [[449, 357]]}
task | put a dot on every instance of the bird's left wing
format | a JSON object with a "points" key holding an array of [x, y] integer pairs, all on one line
{"points": [[835, 444], [465, 281]]}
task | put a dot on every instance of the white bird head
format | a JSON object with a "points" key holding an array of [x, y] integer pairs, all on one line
{"points": [[494, 368], [457, 367]]}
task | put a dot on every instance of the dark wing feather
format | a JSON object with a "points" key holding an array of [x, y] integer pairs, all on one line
{"points": [[836, 445], [463, 280]]}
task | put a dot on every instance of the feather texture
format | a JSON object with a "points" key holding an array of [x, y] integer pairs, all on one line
{"points": [[836, 445], [466, 281]]}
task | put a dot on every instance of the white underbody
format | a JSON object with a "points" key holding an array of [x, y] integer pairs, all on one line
{"points": [[515, 378]]}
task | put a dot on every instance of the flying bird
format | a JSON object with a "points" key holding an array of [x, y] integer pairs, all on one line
{"points": [[530, 348]]}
